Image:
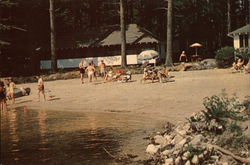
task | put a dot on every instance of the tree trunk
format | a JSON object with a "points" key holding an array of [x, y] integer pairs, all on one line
{"points": [[228, 16], [169, 49], [123, 35], [52, 37], [248, 11]]}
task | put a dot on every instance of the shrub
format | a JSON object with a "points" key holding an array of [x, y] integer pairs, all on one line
{"points": [[225, 57], [221, 107]]}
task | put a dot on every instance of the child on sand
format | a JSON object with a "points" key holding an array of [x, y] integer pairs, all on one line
{"points": [[40, 88], [12, 87]]}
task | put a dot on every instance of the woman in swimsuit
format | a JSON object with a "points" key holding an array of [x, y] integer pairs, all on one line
{"points": [[82, 71], [183, 57]]}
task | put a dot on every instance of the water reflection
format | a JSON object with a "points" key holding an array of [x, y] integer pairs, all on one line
{"points": [[43, 137]]}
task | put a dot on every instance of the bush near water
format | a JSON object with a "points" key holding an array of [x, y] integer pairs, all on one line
{"points": [[219, 134]]}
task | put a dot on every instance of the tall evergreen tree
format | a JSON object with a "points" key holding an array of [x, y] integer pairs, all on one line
{"points": [[52, 37], [123, 35], [169, 49]]}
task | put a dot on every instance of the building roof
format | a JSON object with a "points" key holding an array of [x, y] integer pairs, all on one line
{"points": [[101, 36], [242, 30], [134, 34]]}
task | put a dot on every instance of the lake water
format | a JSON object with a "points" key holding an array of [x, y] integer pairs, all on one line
{"points": [[40, 137]]}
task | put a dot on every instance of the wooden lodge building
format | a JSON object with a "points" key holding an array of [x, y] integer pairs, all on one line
{"points": [[107, 48]]}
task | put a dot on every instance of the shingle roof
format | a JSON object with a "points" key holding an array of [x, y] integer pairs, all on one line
{"points": [[134, 34], [244, 29]]}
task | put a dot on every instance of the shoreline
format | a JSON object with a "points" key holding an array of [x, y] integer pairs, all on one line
{"points": [[156, 103], [172, 101]]}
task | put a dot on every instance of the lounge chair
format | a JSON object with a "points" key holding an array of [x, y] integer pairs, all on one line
{"points": [[150, 74]]}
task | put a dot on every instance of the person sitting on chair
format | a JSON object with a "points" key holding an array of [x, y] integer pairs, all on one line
{"points": [[238, 65], [163, 74]]}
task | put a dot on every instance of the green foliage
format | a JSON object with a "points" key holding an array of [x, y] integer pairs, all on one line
{"points": [[225, 57], [244, 53], [220, 107], [193, 151], [228, 112], [234, 141], [235, 128]]}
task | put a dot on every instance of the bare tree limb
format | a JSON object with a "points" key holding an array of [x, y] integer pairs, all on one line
{"points": [[243, 160]]}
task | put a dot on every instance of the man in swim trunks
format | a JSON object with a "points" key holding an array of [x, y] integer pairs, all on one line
{"points": [[40, 88], [102, 67], [82, 71], [91, 71]]}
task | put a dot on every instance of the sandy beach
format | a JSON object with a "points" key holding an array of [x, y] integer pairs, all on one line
{"points": [[172, 101]]}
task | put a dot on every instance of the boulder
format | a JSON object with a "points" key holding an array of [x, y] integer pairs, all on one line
{"points": [[152, 149], [182, 132], [188, 163], [177, 160], [209, 63], [195, 160], [168, 138], [167, 152], [177, 139], [160, 140], [186, 155], [197, 140], [186, 126], [176, 152], [201, 156], [169, 161], [181, 144]]}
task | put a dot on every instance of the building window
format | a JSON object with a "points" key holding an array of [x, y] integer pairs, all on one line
{"points": [[243, 40]]}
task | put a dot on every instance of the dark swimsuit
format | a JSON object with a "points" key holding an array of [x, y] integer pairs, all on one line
{"points": [[82, 70], [2, 95], [183, 58]]}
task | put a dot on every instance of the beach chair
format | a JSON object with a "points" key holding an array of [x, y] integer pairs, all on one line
{"points": [[150, 74], [127, 76]]}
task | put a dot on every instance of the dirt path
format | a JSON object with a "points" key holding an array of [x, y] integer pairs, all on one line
{"points": [[172, 101]]}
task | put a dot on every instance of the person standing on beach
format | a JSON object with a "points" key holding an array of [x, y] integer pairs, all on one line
{"points": [[183, 57], [95, 73], [40, 88], [12, 87], [82, 71], [2, 96], [102, 67], [91, 71]]}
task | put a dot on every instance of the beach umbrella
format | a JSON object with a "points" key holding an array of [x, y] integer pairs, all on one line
{"points": [[148, 55], [195, 45]]}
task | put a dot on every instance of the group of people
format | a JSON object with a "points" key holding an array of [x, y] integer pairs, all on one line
{"points": [[91, 70], [151, 73], [238, 65], [7, 91], [106, 74]]}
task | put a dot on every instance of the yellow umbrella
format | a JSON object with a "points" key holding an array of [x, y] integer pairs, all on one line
{"points": [[195, 45]]}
